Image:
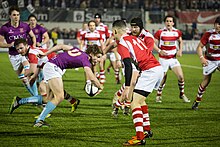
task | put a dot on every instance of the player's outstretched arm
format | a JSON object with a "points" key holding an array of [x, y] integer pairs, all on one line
{"points": [[90, 76], [56, 48]]}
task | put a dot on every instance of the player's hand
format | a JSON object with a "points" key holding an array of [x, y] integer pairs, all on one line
{"points": [[125, 94], [11, 44], [179, 53], [204, 62], [38, 44], [118, 64], [163, 53]]}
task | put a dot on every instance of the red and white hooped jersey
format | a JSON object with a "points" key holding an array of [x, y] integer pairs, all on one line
{"points": [[91, 38], [135, 48], [80, 33], [168, 41], [211, 39], [147, 38], [103, 29], [32, 56]]}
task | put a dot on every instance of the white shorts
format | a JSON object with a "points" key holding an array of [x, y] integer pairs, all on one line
{"points": [[168, 63], [212, 65], [16, 61], [111, 56], [150, 79], [51, 71]]}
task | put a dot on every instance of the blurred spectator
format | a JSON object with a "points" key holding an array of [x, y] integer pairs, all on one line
{"points": [[65, 34], [196, 35], [54, 36]]}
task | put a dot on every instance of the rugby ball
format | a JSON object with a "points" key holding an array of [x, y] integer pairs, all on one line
{"points": [[91, 89]]}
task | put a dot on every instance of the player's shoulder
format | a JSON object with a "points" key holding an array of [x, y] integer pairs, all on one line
{"points": [[147, 33], [5, 26], [23, 24]]}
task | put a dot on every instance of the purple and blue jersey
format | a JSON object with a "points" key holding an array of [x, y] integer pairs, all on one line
{"points": [[11, 33], [73, 58]]}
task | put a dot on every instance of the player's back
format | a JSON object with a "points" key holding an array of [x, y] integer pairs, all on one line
{"points": [[138, 51]]}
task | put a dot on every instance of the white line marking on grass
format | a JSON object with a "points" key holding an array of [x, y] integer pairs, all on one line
{"points": [[191, 66]]}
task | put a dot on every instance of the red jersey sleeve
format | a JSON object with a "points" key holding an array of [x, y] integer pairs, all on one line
{"points": [[157, 35], [149, 41], [83, 36], [78, 34], [106, 32], [180, 33], [204, 39]]}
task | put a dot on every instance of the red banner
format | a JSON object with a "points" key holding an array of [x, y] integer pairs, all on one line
{"points": [[206, 17]]}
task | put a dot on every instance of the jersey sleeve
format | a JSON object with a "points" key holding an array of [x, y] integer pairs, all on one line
{"points": [[78, 34], [149, 41], [43, 30], [106, 32], [2, 31], [83, 36], [157, 35], [204, 39], [180, 33]]}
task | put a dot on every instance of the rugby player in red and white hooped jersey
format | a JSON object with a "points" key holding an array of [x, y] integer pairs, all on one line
{"points": [[169, 40], [211, 60], [103, 29], [81, 31], [36, 65], [137, 29], [91, 37], [135, 54]]}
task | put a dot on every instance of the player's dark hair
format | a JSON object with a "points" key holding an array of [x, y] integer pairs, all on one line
{"points": [[91, 21], [119, 24], [137, 21], [20, 40], [13, 8], [167, 17], [97, 15], [32, 15], [217, 20], [94, 49]]}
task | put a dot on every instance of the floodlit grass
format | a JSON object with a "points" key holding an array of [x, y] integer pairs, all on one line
{"points": [[173, 122]]}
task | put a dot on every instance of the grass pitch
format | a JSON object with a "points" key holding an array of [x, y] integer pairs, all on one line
{"points": [[173, 122]]}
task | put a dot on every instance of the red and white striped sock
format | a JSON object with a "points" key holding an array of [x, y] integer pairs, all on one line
{"points": [[181, 87], [102, 76], [146, 118], [117, 74], [137, 115], [201, 90], [119, 92], [160, 89]]}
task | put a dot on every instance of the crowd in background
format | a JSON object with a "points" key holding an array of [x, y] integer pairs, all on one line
{"points": [[129, 4], [188, 34]]}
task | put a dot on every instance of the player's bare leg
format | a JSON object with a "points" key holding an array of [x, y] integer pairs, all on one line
{"points": [[179, 73], [160, 89]]}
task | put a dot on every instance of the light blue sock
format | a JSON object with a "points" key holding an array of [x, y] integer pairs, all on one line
{"points": [[33, 100], [34, 89], [40, 76], [47, 109]]}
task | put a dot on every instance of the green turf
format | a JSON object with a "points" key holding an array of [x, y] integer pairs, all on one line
{"points": [[173, 122]]}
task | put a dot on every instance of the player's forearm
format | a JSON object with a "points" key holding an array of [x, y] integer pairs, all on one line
{"points": [[128, 71], [46, 39], [5, 45]]}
